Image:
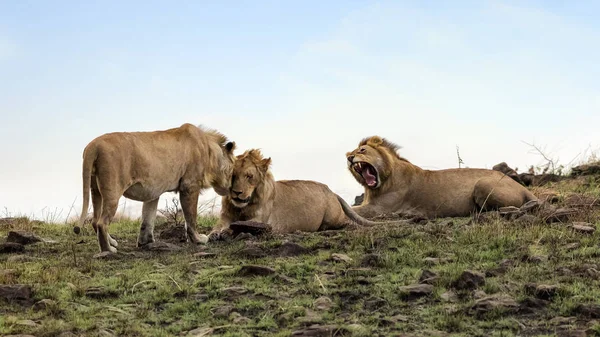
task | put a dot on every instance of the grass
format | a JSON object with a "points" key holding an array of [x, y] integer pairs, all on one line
{"points": [[141, 293]]}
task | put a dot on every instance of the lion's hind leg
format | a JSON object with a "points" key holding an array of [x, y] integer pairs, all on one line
{"points": [[97, 205], [493, 193], [146, 235]]}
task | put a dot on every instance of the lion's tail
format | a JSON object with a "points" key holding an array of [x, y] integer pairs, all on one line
{"points": [[89, 158], [350, 213]]}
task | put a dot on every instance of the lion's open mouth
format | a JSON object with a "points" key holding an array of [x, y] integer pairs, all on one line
{"points": [[367, 171], [239, 201]]}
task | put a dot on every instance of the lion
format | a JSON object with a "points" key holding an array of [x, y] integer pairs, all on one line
{"points": [[286, 205], [143, 165], [393, 185]]}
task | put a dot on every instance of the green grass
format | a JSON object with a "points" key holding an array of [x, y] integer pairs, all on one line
{"points": [[144, 293]]}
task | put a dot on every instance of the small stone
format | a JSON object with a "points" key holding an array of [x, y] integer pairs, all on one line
{"points": [[449, 296], [234, 291], [572, 246], [559, 320], [415, 291], [256, 270], [21, 258], [15, 292], [23, 238], [432, 260], [469, 280], [223, 312], [200, 332], [44, 304], [372, 260], [201, 255], [583, 227], [542, 291], [27, 322], [323, 303], [428, 277], [492, 303], [239, 319], [341, 258], [588, 310], [161, 246], [289, 249], [251, 251], [399, 318], [11, 247]]}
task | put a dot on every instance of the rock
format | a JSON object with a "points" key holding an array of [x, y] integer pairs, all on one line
{"points": [[572, 246], [44, 304], [23, 238], [374, 304], [223, 312], [289, 249], [321, 330], [542, 291], [493, 303], [239, 319], [586, 169], [250, 227], [16, 292], [21, 258], [27, 322], [527, 219], [173, 234], [415, 291], [504, 168], [559, 320], [8, 273], [11, 247], [531, 304], [588, 310], [571, 333], [201, 255], [323, 303], [234, 291], [531, 205], [200, 332], [256, 270], [583, 227], [510, 212], [251, 251], [449, 296], [341, 258], [432, 260], [399, 318], [160, 246], [559, 215], [469, 280], [358, 200], [428, 277], [100, 293], [372, 260]]}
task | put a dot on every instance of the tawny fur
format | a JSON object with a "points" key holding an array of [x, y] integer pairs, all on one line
{"points": [[286, 205], [143, 165], [407, 189]]}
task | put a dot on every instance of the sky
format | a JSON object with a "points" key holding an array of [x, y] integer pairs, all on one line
{"points": [[304, 81]]}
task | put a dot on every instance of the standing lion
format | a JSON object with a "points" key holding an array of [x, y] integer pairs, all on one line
{"points": [[394, 185], [143, 165]]}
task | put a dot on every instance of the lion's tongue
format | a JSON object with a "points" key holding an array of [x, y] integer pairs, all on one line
{"points": [[369, 176]]}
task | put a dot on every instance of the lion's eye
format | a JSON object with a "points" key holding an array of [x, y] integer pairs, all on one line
{"points": [[362, 150], [249, 176]]}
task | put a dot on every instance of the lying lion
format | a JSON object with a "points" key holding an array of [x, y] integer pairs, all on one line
{"points": [[394, 185], [286, 205], [143, 165]]}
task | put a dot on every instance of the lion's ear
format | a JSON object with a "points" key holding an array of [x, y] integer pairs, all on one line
{"points": [[375, 141], [265, 163], [230, 146]]}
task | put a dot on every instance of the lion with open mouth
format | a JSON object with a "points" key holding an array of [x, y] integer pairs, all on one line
{"points": [[394, 185], [286, 205]]}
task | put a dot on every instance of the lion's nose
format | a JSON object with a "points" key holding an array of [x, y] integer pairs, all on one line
{"points": [[236, 192], [350, 158]]}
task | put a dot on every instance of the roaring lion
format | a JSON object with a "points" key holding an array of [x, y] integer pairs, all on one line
{"points": [[143, 165], [394, 185], [286, 205]]}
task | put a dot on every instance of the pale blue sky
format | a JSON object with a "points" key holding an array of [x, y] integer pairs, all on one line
{"points": [[310, 78]]}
